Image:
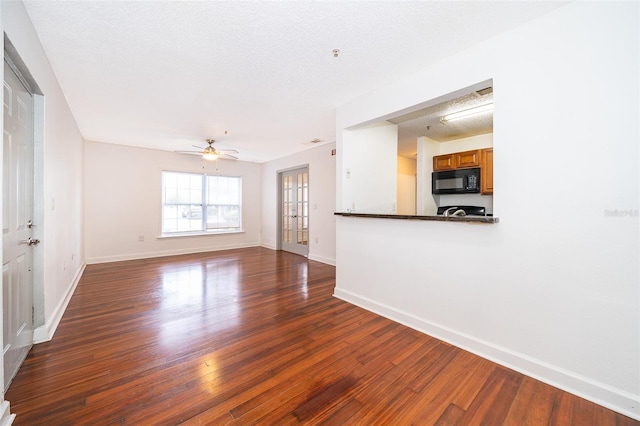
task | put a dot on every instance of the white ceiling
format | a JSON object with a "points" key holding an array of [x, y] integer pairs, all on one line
{"points": [[169, 74]]}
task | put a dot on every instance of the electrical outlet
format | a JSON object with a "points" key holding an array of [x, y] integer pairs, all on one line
{"points": [[316, 240], [348, 174], [141, 238]]}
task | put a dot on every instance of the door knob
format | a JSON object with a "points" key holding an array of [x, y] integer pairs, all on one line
{"points": [[30, 241]]}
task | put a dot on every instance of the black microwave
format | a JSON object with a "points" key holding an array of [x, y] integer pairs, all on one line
{"points": [[462, 181]]}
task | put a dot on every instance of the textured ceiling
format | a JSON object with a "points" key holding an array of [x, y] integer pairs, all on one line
{"points": [[168, 75], [428, 121]]}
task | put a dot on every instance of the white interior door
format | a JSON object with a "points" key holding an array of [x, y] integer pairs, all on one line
{"points": [[17, 233], [294, 211]]}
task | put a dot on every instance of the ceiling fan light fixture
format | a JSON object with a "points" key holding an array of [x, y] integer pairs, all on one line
{"points": [[210, 154], [480, 109]]}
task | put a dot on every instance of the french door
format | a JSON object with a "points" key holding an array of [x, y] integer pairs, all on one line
{"points": [[17, 215], [294, 211]]}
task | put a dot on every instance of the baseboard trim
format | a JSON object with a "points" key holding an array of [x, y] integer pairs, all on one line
{"points": [[150, 255], [322, 259], [310, 256], [6, 418], [45, 332], [599, 393]]}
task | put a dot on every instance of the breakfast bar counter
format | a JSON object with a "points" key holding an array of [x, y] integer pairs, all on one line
{"points": [[439, 218]]}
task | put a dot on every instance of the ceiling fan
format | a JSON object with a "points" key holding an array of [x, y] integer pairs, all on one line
{"points": [[210, 153]]}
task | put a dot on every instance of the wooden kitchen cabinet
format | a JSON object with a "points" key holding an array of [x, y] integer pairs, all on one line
{"points": [[456, 160], [467, 159], [443, 162], [486, 171]]}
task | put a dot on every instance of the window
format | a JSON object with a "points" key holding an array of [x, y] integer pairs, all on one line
{"points": [[201, 203]]}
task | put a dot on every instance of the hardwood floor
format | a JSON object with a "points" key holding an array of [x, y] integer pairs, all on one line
{"points": [[254, 336]]}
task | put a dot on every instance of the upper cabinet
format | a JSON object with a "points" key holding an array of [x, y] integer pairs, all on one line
{"points": [[443, 162], [457, 160], [486, 172], [467, 159]]}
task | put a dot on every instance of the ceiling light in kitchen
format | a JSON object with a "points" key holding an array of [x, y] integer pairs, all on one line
{"points": [[467, 113]]}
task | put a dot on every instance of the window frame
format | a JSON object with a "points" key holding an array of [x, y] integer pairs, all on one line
{"points": [[204, 204]]}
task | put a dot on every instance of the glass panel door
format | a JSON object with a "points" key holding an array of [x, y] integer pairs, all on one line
{"points": [[294, 211]]}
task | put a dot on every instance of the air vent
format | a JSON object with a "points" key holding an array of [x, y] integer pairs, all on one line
{"points": [[485, 91]]}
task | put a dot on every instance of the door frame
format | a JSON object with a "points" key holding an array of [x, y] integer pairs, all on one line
{"points": [[279, 230], [18, 65]]}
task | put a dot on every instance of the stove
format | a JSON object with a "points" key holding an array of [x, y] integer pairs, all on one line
{"points": [[468, 210]]}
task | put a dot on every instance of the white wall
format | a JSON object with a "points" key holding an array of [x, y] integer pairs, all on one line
{"points": [[322, 179], [370, 162], [5, 414], [466, 144], [59, 190], [406, 186], [425, 202], [552, 290], [59, 179], [123, 201]]}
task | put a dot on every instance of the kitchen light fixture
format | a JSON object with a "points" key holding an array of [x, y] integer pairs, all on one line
{"points": [[467, 113]]}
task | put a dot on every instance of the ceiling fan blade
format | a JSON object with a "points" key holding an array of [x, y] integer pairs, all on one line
{"points": [[210, 150]]}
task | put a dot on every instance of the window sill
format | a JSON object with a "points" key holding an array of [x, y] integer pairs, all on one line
{"points": [[196, 234]]}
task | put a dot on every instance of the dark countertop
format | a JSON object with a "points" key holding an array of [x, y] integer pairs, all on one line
{"points": [[465, 219]]}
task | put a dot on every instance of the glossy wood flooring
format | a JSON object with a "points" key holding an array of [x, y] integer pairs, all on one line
{"points": [[254, 336]]}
